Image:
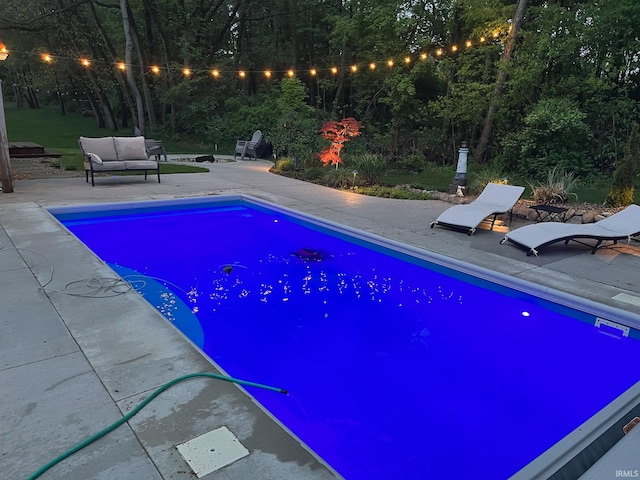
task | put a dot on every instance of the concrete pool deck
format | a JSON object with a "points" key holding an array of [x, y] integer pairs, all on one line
{"points": [[72, 365]]}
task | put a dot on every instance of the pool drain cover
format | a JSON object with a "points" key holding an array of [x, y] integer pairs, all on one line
{"points": [[212, 451]]}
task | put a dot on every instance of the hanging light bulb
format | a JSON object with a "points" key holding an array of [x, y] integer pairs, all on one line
{"points": [[186, 72], [155, 69], [85, 62], [47, 58], [267, 73], [291, 73], [334, 70], [242, 74], [215, 73], [122, 66]]}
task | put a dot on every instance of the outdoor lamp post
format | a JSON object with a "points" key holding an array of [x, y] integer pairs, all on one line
{"points": [[459, 182], [5, 165]]}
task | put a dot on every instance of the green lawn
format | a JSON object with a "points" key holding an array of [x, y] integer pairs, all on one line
{"points": [[47, 127]]}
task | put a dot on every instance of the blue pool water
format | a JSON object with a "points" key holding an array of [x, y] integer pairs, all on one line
{"points": [[397, 367]]}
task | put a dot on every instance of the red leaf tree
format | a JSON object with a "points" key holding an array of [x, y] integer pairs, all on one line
{"points": [[338, 133]]}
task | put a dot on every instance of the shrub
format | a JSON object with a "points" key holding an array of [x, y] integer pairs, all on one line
{"points": [[414, 163], [337, 178], [390, 192], [488, 174], [314, 173], [554, 133], [284, 164], [369, 168], [557, 188], [626, 172]]}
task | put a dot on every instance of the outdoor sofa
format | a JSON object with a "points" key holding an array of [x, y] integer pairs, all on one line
{"points": [[116, 154]]}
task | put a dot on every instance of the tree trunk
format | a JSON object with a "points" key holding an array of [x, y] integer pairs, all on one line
{"points": [[129, 69], [481, 148], [146, 92]]}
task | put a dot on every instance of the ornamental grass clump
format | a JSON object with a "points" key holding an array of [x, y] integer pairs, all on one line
{"points": [[558, 187]]}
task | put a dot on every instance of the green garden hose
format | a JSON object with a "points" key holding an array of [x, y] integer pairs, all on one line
{"points": [[133, 412]]}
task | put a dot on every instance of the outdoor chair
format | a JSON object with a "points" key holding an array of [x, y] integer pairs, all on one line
{"points": [[247, 148], [154, 147], [494, 200], [622, 225]]}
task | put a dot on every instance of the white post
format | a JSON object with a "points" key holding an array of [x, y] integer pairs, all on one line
{"points": [[5, 164], [459, 182]]}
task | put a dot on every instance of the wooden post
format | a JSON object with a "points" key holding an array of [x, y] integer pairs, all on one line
{"points": [[5, 164]]}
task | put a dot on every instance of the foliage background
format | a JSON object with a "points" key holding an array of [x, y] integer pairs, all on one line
{"points": [[571, 95]]}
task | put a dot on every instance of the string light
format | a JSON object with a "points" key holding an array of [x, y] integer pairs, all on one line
{"points": [[372, 66]]}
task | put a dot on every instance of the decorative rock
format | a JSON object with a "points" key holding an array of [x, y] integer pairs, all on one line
{"points": [[570, 213], [597, 218], [588, 217], [580, 212], [577, 219]]}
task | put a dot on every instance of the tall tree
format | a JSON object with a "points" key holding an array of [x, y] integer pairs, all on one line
{"points": [[501, 79]]}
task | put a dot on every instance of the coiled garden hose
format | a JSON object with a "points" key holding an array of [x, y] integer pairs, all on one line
{"points": [[140, 406]]}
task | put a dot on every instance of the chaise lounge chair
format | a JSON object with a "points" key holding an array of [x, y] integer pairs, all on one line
{"points": [[494, 200], [623, 225], [247, 148]]}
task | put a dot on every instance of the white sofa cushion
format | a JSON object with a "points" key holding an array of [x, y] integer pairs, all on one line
{"points": [[102, 146], [130, 148]]}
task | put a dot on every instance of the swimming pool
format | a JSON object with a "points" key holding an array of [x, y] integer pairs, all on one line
{"points": [[400, 363]]}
